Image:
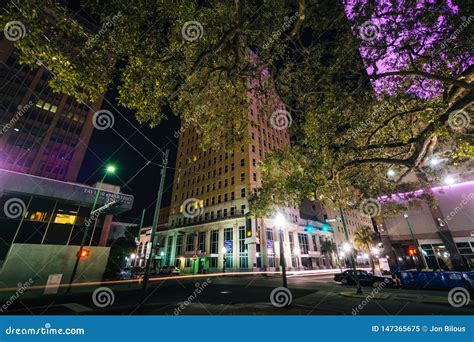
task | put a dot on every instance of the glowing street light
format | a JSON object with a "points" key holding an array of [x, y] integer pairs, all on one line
{"points": [[434, 161], [111, 169], [449, 180], [280, 221], [346, 247], [391, 173]]}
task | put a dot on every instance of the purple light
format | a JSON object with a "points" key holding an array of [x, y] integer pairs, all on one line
{"points": [[405, 195]]}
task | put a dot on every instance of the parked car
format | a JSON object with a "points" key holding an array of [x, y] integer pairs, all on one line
{"points": [[125, 274], [365, 278], [170, 270]]}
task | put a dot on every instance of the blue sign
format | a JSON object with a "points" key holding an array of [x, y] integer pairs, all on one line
{"points": [[228, 246], [270, 244]]}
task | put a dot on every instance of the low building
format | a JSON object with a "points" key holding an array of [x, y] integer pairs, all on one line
{"points": [[444, 231], [238, 245], [43, 222]]}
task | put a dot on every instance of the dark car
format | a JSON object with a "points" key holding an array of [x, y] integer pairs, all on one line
{"points": [[365, 278], [170, 270]]}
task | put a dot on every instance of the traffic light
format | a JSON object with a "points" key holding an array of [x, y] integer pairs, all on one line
{"points": [[84, 253], [248, 228]]}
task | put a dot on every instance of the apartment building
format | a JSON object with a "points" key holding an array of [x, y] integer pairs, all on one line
{"points": [[42, 133], [210, 228]]}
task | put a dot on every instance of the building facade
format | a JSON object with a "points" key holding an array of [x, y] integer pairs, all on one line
{"points": [[209, 226], [41, 132], [439, 236], [43, 222], [354, 218]]}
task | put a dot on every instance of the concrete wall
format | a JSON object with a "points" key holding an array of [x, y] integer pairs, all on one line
{"points": [[37, 262]]}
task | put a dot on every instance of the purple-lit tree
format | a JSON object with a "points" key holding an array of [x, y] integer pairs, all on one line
{"points": [[371, 86]]}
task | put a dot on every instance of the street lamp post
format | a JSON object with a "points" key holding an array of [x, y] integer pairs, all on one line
{"points": [[281, 222], [109, 169], [417, 246], [224, 259]]}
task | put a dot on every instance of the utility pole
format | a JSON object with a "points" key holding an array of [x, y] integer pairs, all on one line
{"points": [[146, 276], [351, 254], [139, 234]]}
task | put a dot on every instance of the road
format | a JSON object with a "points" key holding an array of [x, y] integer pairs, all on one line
{"points": [[312, 294]]}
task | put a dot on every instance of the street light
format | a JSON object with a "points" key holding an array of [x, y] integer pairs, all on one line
{"points": [[449, 180], [108, 169], [224, 251], [280, 221], [415, 242]]}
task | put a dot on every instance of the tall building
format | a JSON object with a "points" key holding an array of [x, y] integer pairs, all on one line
{"points": [[208, 223], [42, 133]]}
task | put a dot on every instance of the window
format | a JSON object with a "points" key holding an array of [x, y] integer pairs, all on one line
{"points": [[270, 248], [303, 241], [315, 245], [228, 243], [214, 241], [254, 177], [242, 162], [168, 250], [232, 195], [202, 242], [242, 177], [242, 192], [243, 253], [179, 245], [190, 243], [65, 218], [254, 162], [232, 211], [242, 209]]}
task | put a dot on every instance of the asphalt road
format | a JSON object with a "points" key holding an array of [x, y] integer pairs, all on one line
{"points": [[234, 295]]}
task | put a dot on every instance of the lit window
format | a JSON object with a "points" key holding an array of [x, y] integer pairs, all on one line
{"points": [[65, 219]]}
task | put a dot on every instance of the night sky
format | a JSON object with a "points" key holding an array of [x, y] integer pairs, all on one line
{"points": [[107, 146]]}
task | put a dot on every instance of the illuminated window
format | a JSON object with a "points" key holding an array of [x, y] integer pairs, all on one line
{"points": [[38, 216], [65, 218]]}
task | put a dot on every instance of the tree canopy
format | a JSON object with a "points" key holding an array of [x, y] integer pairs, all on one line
{"points": [[369, 87]]}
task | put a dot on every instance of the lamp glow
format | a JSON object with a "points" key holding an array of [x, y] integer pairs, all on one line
{"points": [[280, 220], [449, 180], [224, 250], [390, 173], [111, 169], [346, 247], [434, 161]]}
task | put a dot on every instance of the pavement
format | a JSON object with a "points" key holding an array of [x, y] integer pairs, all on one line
{"points": [[246, 294]]}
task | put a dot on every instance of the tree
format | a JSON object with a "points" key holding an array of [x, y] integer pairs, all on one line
{"points": [[364, 240], [370, 87]]}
